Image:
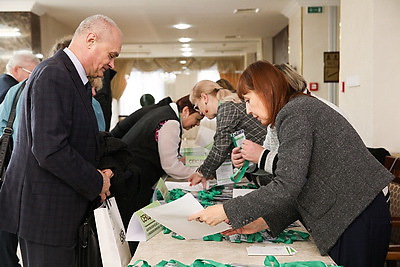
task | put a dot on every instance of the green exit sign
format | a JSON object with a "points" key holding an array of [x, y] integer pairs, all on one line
{"points": [[314, 9]]}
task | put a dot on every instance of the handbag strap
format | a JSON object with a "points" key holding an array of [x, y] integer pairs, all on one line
{"points": [[8, 130], [13, 112]]}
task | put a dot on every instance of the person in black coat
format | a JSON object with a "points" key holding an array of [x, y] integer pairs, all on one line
{"points": [[126, 124]]}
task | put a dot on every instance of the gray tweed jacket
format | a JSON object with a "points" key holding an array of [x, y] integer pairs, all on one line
{"points": [[325, 175]]}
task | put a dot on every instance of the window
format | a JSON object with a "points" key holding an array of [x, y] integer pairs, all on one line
{"points": [[140, 83]]}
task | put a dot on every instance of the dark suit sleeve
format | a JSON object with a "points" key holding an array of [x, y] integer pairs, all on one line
{"points": [[63, 141]]}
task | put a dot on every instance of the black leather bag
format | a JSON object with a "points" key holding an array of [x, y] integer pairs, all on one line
{"points": [[6, 142], [88, 246]]}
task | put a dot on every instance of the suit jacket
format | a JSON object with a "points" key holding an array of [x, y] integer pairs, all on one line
{"points": [[6, 82], [52, 178], [325, 175]]}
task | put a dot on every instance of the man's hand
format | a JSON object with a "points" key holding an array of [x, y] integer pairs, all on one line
{"points": [[105, 191]]}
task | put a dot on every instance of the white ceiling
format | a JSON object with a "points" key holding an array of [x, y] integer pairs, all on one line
{"points": [[147, 24]]}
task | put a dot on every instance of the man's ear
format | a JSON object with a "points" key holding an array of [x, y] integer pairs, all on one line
{"points": [[91, 39]]}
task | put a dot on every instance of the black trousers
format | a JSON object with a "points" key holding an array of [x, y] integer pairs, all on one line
{"points": [[8, 249], [40, 255], [365, 242]]}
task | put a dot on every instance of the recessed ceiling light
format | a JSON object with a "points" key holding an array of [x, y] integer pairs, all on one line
{"points": [[182, 26], [246, 10], [185, 45], [187, 54], [183, 61], [9, 32], [185, 39], [186, 49]]}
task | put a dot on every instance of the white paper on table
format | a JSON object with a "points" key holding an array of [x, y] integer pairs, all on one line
{"points": [[270, 250], [186, 186], [240, 192], [173, 215], [224, 173]]}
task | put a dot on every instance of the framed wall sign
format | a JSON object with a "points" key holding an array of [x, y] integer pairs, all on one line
{"points": [[331, 67]]}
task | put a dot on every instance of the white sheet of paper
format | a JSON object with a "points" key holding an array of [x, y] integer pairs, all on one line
{"points": [[173, 215], [141, 227], [270, 250], [240, 192], [224, 173]]}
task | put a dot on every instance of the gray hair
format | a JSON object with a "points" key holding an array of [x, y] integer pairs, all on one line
{"points": [[97, 23], [22, 59]]}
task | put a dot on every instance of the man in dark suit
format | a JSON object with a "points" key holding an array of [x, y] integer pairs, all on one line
{"points": [[18, 69], [51, 178]]}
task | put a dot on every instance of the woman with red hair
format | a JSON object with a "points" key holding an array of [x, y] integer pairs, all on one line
{"points": [[325, 176]]}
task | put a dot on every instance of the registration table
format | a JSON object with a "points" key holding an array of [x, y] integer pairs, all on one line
{"points": [[165, 247]]}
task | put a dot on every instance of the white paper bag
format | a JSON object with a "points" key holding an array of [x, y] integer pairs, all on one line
{"points": [[114, 248]]}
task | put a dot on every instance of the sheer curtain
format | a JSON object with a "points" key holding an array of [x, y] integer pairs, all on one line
{"points": [[140, 83]]}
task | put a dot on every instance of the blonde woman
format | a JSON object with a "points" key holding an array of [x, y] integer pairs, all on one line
{"points": [[213, 101]]}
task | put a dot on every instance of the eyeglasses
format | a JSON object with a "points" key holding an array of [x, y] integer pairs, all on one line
{"points": [[28, 71]]}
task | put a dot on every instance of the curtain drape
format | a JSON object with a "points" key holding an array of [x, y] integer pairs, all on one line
{"points": [[227, 66]]}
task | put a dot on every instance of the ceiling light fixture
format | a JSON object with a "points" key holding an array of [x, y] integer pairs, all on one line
{"points": [[186, 49], [187, 54], [185, 45], [9, 32], [185, 39], [246, 10], [183, 62], [182, 26]]}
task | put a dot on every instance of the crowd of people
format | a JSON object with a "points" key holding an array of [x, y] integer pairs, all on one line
{"points": [[308, 161]]}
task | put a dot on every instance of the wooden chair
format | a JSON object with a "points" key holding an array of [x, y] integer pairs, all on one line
{"points": [[393, 256]]}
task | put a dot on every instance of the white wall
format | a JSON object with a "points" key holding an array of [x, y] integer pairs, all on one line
{"points": [[308, 40], [51, 31], [370, 37], [315, 43]]}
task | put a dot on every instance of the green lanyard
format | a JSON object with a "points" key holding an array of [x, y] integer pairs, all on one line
{"points": [[238, 175], [270, 261]]}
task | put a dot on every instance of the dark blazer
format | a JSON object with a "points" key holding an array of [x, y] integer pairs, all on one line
{"points": [[126, 124], [51, 177], [6, 82]]}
